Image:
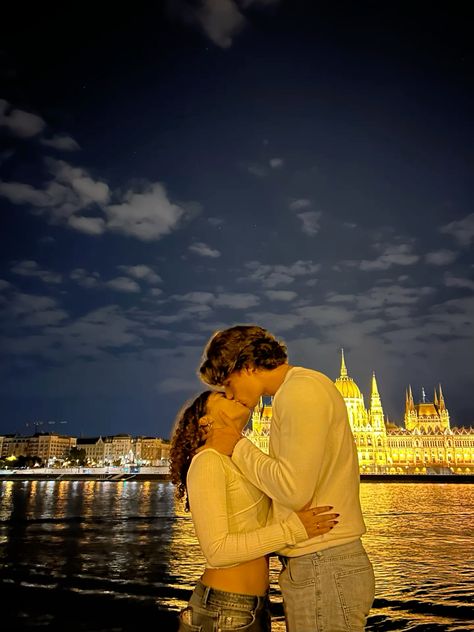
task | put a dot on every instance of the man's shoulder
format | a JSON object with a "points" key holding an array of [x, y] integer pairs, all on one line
{"points": [[304, 376], [304, 383]]}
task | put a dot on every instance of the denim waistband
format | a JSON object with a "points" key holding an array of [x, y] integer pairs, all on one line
{"points": [[333, 551], [223, 598]]}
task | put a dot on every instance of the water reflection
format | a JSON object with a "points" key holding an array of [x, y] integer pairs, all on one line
{"points": [[133, 539]]}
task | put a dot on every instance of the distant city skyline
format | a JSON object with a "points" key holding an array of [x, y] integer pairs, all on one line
{"points": [[181, 169]]}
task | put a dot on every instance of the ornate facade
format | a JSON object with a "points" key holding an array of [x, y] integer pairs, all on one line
{"points": [[425, 444]]}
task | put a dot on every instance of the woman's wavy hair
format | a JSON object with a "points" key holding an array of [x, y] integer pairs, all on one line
{"points": [[237, 348], [186, 439]]}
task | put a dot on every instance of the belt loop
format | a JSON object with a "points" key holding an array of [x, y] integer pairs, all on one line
{"points": [[205, 596]]}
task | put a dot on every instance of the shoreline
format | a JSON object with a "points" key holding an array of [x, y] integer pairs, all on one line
{"points": [[120, 478]]}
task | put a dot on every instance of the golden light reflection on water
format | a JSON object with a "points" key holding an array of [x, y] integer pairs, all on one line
{"points": [[418, 536], [136, 534]]}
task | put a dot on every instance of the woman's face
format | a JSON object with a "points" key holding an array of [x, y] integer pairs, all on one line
{"points": [[223, 410]]}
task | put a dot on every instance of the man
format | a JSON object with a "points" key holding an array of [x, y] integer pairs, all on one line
{"points": [[327, 582]]}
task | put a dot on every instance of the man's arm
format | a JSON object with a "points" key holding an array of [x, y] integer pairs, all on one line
{"points": [[208, 496], [305, 412]]}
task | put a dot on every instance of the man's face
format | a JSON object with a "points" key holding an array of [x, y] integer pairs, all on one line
{"points": [[244, 386]]}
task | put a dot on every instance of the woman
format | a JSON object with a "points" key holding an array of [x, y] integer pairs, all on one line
{"points": [[230, 519]]}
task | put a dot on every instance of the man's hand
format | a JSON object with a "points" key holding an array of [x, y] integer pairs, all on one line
{"points": [[223, 438], [316, 521]]}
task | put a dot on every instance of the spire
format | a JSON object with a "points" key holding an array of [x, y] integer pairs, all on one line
{"points": [[442, 405], [423, 394], [343, 365], [435, 400], [376, 411], [375, 390], [411, 403], [375, 403]]}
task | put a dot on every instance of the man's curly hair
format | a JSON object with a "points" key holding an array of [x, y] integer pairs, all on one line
{"points": [[187, 438], [240, 347]]}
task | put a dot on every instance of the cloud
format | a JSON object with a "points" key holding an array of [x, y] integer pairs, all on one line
{"points": [[394, 254], [28, 125], [71, 191], [32, 310], [256, 169], [4, 285], [340, 298], [205, 300], [300, 204], [277, 323], [216, 221], [204, 250], [88, 190], [462, 230], [102, 328], [280, 295], [19, 193], [276, 163], [195, 297], [220, 20], [310, 221], [452, 281], [63, 142], [382, 296], [123, 284], [88, 225], [31, 268], [325, 315], [85, 279], [20, 123], [146, 215], [142, 273], [236, 301], [272, 275], [440, 257]]}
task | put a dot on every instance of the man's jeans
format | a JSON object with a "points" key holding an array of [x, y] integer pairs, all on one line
{"points": [[328, 591]]}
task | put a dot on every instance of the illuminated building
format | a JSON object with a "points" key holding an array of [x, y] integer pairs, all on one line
{"points": [[45, 446], [119, 449], [123, 448], [425, 444]]}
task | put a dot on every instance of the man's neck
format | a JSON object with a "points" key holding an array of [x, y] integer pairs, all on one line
{"points": [[274, 378]]}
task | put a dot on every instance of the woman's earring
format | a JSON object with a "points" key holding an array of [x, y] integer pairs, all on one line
{"points": [[205, 424]]}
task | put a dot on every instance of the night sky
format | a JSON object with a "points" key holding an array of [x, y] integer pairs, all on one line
{"points": [[168, 171]]}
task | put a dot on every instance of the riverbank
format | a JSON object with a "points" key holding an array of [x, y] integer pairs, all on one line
{"points": [[418, 478], [116, 474], [162, 474]]}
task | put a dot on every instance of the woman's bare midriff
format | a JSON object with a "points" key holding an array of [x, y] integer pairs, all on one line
{"points": [[248, 578]]}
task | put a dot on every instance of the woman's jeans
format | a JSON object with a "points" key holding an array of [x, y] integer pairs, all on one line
{"points": [[328, 591], [211, 610]]}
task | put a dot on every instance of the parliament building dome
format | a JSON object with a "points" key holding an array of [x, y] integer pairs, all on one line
{"points": [[345, 384]]}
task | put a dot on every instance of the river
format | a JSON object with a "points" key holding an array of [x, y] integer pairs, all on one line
{"points": [[83, 556]]}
